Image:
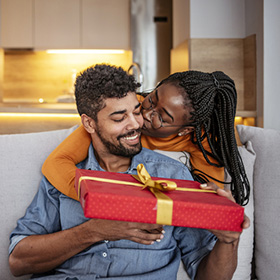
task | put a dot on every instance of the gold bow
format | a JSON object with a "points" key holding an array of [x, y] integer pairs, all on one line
{"points": [[164, 202]]}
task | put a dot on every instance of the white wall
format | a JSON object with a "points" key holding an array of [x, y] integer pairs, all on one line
{"points": [[217, 18], [271, 58], [254, 25]]}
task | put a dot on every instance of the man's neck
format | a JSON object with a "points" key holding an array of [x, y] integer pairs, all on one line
{"points": [[112, 163]]}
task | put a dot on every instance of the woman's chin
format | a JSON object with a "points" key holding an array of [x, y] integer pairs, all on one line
{"points": [[148, 131]]}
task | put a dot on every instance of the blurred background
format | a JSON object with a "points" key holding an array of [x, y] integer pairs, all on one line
{"points": [[44, 44]]}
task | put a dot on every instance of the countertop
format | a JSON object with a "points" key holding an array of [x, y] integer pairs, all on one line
{"points": [[64, 108], [68, 108]]}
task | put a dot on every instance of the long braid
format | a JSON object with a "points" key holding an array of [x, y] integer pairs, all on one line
{"points": [[213, 98]]}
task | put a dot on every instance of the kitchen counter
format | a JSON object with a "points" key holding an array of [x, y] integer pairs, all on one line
{"points": [[68, 108], [64, 108]]}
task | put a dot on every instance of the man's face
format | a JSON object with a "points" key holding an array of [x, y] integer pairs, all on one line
{"points": [[118, 126]]}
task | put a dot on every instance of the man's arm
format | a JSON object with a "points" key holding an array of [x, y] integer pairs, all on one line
{"points": [[42, 253], [221, 262]]}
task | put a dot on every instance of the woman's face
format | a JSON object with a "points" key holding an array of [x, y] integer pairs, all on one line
{"points": [[163, 112]]}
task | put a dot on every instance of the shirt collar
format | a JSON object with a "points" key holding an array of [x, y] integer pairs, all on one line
{"points": [[92, 164]]}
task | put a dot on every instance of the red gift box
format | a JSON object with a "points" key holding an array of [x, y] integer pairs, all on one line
{"points": [[116, 196]]}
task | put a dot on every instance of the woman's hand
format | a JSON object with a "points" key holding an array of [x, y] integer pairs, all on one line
{"points": [[227, 194]]}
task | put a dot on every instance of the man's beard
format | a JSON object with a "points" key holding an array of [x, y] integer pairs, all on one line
{"points": [[120, 150]]}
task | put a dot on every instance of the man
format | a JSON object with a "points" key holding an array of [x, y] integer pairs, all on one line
{"points": [[55, 241]]}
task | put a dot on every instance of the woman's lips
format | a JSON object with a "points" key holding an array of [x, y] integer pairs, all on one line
{"points": [[146, 125]]}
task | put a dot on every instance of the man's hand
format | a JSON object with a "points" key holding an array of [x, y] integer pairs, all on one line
{"points": [[115, 230], [27, 257]]}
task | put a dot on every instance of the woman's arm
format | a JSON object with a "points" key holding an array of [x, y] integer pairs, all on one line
{"points": [[60, 166]]}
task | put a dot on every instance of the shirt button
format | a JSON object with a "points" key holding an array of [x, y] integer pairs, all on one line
{"points": [[106, 241], [104, 254]]}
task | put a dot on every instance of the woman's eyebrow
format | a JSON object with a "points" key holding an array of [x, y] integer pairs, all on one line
{"points": [[138, 105], [156, 94], [167, 113]]}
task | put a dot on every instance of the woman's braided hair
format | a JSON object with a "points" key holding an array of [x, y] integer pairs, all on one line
{"points": [[213, 98]]}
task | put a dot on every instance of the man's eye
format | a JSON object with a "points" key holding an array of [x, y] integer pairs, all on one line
{"points": [[119, 120]]}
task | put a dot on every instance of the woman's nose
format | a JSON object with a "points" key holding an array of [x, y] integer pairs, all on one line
{"points": [[147, 114]]}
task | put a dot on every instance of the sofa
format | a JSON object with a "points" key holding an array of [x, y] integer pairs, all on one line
{"points": [[22, 156]]}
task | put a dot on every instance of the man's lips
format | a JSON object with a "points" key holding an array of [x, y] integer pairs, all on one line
{"points": [[131, 137]]}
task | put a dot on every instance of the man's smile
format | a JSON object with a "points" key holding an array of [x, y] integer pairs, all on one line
{"points": [[131, 138]]}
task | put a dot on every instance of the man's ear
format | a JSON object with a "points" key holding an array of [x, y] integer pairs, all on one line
{"points": [[186, 130], [88, 123]]}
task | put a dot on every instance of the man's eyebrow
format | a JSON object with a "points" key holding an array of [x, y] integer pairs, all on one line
{"points": [[124, 111], [167, 113], [118, 112]]}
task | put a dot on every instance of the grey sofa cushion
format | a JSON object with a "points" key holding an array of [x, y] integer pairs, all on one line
{"points": [[245, 250], [246, 244], [22, 156], [266, 197]]}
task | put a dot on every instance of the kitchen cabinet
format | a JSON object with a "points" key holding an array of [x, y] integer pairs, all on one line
{"points": [[65, 24], [56, 24], [16, 23], [105, 24]]}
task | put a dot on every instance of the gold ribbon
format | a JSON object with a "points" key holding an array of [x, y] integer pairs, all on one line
{"points": [[164, 202]]}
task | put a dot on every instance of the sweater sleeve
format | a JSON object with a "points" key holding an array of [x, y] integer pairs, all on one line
{"points": [[60, 166]]}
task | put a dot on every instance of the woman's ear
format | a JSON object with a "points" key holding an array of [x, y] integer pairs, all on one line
{"points": [[185, 130], [88, 123]]}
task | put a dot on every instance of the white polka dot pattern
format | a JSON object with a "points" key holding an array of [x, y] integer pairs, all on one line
{"points": [[105, 200]]}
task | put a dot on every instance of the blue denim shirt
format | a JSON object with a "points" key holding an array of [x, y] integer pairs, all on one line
{"points": [[52, 211]]}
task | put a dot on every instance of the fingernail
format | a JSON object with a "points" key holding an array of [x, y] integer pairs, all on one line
{"points": [[203, 185], [163, 231], [158, 240], [152, 242], [161, 237]]}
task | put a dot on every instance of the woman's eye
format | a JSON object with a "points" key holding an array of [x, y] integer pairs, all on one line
{"points": [[151, 101]]}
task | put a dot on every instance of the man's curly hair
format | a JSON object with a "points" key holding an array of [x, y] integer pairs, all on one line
{"points": [[97, 83]]}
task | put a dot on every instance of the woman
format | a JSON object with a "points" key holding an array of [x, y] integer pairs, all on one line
{"points": [[189, 111]]}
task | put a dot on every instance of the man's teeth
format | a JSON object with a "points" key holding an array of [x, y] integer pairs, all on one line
{"points": [[131, 137]]}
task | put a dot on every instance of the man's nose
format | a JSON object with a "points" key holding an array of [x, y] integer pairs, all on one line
{"points": [[135, 122]]}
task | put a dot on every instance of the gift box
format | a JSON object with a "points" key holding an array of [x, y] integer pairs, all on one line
{"points": [[145, 199]]}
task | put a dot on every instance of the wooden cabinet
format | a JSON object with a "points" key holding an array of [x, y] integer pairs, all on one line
{"points": [[105, 24], [56, 24], [16, 23], [65, 24]]}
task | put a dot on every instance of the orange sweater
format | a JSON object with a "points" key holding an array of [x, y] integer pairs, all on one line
{"points": [[59, 168]]}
